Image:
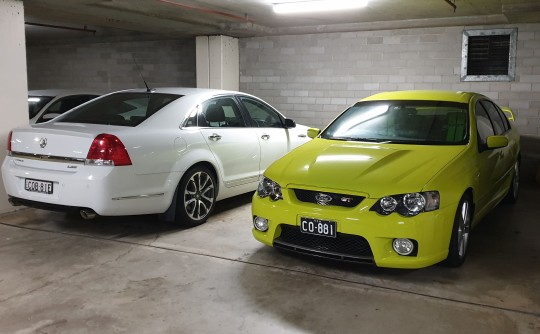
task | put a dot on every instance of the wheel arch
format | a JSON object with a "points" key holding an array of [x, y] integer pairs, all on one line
{"points": [[212, 169], [170, 213]]}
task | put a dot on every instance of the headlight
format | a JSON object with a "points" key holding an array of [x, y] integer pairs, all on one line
{"points": [[269, 188], [408, 205], [388, 204], [414, 202]]}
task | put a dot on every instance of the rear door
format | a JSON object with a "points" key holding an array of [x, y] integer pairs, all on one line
{"points": [[234, 144]]}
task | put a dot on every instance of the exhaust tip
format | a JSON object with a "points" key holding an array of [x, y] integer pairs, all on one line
{"points": [[87, 214]]}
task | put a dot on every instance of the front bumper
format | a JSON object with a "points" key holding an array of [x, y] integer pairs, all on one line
{"points": [[363, 236]]}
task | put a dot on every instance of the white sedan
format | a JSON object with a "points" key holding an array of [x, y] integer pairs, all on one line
{"points": [[169, 151]]}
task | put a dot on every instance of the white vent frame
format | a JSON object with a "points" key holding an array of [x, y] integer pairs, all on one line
{"points": [[513, 32]]}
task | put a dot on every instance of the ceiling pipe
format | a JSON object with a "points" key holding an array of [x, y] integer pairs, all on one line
{"points": [[61, 27]]}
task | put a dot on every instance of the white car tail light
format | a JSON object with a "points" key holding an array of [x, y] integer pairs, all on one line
{"points": [[9, 143], [107, 150]]}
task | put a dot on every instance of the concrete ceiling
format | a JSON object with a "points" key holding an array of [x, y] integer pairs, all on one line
{"points": [[48, 19]]}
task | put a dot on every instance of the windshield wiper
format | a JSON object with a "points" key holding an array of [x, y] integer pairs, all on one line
{"points": [[371, 140], [340, 138]]}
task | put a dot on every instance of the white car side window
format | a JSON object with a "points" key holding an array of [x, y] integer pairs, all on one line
{"points": [[221, 112], [261, 114]]}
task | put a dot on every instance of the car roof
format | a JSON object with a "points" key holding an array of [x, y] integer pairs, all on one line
{"points": [[184, 91], [428, 95]]}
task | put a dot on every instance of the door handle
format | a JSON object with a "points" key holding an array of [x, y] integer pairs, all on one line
{"points": [[265, 137], [214, 137]]}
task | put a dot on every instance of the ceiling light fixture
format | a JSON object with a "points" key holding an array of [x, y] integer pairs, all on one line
{"points": [[308, 6]]}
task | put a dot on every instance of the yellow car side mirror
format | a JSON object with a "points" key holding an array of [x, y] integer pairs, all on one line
{"points": [[496, 142], [313, 132]]}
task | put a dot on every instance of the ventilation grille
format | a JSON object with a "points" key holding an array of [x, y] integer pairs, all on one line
{"points": [[344, 247], [488, 55]]}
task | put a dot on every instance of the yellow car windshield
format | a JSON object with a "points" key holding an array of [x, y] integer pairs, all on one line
{"points": [[412, 122]]}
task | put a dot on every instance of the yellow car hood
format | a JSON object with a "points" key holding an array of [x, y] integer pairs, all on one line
{"points": [[373, 169]]}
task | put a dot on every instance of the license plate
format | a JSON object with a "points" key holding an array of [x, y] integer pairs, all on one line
{"points": [[38, 186], [324, 228]]}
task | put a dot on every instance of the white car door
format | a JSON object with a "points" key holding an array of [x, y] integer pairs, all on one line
{"points": [[234, 145], [275, 139]]}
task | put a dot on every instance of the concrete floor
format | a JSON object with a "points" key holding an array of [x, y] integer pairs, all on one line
{"points": [[59, 274]]}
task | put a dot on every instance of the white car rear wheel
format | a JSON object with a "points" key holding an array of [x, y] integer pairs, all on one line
{"points": [[196, 196]]}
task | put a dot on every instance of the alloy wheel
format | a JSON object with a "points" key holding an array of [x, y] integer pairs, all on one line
{"points": [[515, 181], [463, 229], [199, 195]]}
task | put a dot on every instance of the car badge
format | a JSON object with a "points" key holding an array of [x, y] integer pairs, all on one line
{"points": [[346, 199], [323, 199], [43, 142]]}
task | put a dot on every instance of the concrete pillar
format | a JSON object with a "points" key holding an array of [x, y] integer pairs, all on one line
{"points": [[13, 84], [218, 62]]}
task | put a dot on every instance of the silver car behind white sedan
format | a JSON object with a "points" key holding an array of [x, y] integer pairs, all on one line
{"points": [[44, 105], [169, 151]]}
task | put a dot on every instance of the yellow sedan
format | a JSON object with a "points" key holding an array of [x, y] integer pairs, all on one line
{"points": [[396, 180]]}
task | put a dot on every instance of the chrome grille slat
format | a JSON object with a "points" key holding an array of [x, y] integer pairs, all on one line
{"points": [[46, 157]]}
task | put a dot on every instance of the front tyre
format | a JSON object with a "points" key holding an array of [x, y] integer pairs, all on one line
{"points": [[459, 241], [196, 196]]}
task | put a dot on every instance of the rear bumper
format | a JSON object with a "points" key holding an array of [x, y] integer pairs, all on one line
{"points": [[109, 191], [15, 201]]}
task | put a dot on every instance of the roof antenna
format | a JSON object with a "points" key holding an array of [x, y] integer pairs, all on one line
{"points": [[452, 3], [148, 90]]}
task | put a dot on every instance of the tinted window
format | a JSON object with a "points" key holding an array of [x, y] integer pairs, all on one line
{"points": [[506, 121], [220, 112], [499, 124], [483, 124], [36, 103], [123, 109], [262, 114], [62, 105], [414, 122]]}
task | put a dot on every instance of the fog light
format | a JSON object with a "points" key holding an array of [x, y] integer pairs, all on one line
{"points": [[260, 224], [403, 246]]}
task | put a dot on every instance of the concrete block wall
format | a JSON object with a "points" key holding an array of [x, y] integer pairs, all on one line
{"points": [[311, 78], [109, 66]]}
